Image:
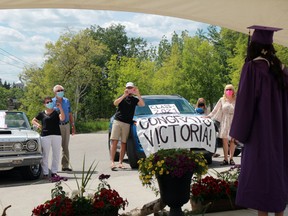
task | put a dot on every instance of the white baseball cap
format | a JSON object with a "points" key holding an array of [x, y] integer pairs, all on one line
{"points": [[130, 84]]}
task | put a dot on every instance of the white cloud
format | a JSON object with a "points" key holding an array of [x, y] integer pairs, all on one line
{"points": [[24, 33]]}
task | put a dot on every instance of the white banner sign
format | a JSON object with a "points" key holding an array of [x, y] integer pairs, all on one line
{"points": [[176, 131]]}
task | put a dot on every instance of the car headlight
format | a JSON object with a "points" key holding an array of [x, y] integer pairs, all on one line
{"points": [[17, 146], [31, 145]]}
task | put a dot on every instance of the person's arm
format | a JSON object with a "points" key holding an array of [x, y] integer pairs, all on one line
{"points": [[216, 109], [62, 113], [141, 101], [118, 100], [36, 123], [71, 120]]}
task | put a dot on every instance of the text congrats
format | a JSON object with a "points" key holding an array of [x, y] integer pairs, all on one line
{"points": [[176, 131]]}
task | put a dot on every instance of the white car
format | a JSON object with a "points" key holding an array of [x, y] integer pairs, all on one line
{"points": [[20, 146]]}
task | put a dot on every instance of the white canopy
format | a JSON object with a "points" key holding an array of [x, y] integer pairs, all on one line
{"points": [[232, 14]]}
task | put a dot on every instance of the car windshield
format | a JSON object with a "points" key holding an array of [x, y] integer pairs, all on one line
{"points": [[165, 106], [13, 120]]}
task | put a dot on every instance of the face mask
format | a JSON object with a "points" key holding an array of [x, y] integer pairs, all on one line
{"points": [[229, 93], [49, 105], [60, 94]]}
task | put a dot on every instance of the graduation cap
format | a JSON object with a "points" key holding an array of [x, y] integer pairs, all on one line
{"points": [[263, 34]]}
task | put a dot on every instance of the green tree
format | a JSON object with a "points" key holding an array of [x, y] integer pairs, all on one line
{"points": [[3, 98], [202, 71], [130, 69]]}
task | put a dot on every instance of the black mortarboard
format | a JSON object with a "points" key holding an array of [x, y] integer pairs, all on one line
{"points": [[263, 34]]}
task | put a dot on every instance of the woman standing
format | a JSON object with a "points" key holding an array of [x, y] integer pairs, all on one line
{"points": [[223, 112], [260, 123], [50, 135], [201, 106]]}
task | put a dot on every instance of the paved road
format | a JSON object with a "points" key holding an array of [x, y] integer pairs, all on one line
{"points": [[25, 195]]}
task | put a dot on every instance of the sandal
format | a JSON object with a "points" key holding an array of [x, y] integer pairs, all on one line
{"points": [[224, 162], [121, 166], [232, 162]]}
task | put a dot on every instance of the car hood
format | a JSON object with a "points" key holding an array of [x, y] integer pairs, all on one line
{"points": [[175, 131], [18, 134]]}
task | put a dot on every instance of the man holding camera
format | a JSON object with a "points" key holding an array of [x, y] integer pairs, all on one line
{"points": [[126, 105]]}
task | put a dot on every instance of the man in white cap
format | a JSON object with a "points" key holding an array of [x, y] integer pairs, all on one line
{"points": [[123, 119]]}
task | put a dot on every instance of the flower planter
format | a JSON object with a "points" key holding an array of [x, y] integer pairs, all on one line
{"points": [[219, 205], [175, 192]]}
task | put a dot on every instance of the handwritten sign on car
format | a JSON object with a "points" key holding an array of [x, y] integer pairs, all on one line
{"points": [[176, 131], [163, 108]]}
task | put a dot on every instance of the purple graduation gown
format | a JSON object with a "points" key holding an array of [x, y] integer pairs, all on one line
{"points": [[260, 122]]}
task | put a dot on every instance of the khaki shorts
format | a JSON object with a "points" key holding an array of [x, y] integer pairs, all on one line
{"points": [[120, 130]]}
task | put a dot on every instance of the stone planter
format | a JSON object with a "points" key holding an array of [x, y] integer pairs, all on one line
{"points": [[209, 206], [175, 192]]}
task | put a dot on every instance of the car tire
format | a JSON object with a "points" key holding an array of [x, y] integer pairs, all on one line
{"points": [[208, 157], [117, 154], [31, 172], [237, 152], [131, 153]]}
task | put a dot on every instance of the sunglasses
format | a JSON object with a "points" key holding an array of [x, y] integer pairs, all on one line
{"points": [[60, 90], [48, 102], [129, 87], [228, 89]]}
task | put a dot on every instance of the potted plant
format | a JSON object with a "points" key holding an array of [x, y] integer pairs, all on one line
{"points": [[173, 169], [212, 194], [105, 201]]}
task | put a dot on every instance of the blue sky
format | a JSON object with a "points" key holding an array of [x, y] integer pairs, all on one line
{"points": [[24, 33]]}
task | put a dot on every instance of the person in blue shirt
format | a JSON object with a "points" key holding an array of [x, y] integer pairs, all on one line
{"points": [[65, 125]]}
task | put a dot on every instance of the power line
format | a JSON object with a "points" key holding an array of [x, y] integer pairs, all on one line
{"points": [[11, 64], [15, 58]]}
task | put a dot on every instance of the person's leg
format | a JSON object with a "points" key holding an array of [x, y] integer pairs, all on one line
{"points": [[114, 137], [56, 151], [113, 149], [65, 133], [261, 213], [45, 143], [122, 154], [279, 213], [225, 150], [232, 150], [125, 130]]}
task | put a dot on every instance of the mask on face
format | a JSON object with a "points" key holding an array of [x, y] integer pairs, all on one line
{"points": [[60, 94], [49, 105], [229, 93]]}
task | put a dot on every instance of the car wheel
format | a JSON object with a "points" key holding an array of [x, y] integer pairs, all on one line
{"points": [[31, 172], [208, 157], [117, 154], [237, 152], [131, 153]]}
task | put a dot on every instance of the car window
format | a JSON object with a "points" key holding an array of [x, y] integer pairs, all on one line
{"points": [[14, 120], [182, 106]]}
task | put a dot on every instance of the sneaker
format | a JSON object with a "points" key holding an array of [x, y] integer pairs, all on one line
{"points": [[66, 169]]}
